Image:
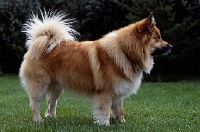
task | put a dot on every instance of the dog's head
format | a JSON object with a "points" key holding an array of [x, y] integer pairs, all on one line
{"points": [[147, 43], [157, 45]]}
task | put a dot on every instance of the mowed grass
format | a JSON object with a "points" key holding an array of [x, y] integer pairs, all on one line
{"points": [[162, 107]]}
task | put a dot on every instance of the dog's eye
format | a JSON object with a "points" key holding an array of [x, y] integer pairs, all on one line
{"points": [[158, 37]]}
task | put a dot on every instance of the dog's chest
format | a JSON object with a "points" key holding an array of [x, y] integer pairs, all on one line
{"points": [[125, 87]]}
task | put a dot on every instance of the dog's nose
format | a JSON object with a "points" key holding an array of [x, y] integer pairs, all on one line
{"points": [[170, 46]]}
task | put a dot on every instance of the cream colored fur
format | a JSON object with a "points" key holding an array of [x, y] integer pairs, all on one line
{"points": [[107, 70], [45, 34]]}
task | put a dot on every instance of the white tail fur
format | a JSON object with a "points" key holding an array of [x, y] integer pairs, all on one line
{"points": [[45, 34]]}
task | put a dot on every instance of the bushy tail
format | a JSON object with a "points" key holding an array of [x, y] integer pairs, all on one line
{"points": [[46, 33]]}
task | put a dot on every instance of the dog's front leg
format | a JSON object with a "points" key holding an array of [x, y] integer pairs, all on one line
{"points": [[102, 102], [118, 110]]}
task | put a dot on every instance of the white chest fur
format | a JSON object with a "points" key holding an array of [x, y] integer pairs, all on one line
{"points": [[125, 87]]}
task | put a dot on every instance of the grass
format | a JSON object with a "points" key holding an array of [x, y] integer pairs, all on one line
{"points": [[166, 107]]}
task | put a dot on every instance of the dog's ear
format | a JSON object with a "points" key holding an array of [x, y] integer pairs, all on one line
{"points": [[151, 21]]}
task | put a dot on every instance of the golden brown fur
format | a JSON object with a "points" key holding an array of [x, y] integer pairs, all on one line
{"points": [[107, 70]]}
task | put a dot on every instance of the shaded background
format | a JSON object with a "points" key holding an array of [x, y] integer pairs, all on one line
{"points": [[178, 20]]}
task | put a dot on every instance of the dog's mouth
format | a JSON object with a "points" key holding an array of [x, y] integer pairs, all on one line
{"points": [[162, 51]]}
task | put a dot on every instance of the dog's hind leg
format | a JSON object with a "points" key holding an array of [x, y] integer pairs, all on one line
{"points": [[53, 93], [117, 109], [36, 91], [102, 107]]}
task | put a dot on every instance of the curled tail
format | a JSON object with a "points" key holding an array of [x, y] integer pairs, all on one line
{"points": [[46, 33]]}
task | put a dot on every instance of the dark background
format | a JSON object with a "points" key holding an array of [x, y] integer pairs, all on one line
{"points": [[178, 20]]}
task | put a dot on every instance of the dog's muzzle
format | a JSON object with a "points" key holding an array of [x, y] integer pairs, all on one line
{"points": [[162, 51]]}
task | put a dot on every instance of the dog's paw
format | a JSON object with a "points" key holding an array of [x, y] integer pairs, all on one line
{"points": [[122, 120], [38, 120], [47, 114], [102, 122]]}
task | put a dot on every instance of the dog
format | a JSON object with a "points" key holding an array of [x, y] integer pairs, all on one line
{"points": [[107, 70]]}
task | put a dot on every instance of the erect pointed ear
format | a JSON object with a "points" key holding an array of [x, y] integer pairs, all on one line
{"points": [[151, 21]]}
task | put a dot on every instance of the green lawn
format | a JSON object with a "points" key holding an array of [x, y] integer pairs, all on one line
{"points": [[162, 107]]}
